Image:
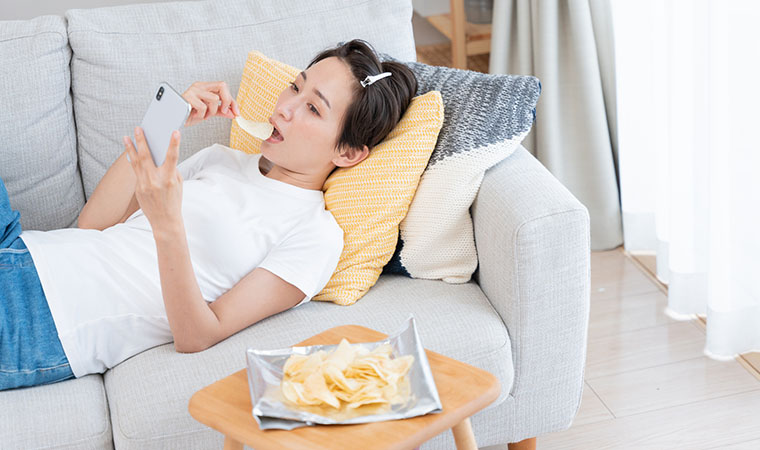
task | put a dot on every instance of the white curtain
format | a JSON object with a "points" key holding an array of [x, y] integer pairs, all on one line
{"points": [[568, 45], [688, 95]]}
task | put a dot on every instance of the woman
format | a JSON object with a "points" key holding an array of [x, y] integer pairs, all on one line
{"points": [[225, 239]]}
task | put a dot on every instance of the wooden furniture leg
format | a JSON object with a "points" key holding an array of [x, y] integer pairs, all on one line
{"points": [[231, 444], [525, 444], [458, 35], [464, 438]]}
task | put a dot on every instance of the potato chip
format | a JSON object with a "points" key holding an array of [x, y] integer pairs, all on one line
{"points": [[260, 130], [296, 394], [316, 387], [350, 376], [335, 376], [294, 364], [367, 401], [342, 355]]}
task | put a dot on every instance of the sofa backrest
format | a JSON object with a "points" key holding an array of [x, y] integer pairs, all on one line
{"points": [[120, 54], [38, 159]]}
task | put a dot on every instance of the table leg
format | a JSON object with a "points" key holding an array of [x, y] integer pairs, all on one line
{"points": [[231, 444], [464, 438]]}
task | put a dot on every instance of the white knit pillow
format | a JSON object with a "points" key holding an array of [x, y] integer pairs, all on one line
{"points": [[486, 117]]}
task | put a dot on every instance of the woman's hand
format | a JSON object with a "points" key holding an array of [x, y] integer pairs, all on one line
{"points": [[158, 189], [210, 99]]}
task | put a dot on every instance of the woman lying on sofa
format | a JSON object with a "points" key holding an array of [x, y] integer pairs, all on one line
{"points": [[77, 301]]}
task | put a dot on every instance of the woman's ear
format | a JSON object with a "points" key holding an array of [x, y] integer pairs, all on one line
{"points": [[351, 156]]}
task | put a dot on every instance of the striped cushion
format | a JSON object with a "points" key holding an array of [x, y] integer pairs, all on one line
{"points": [[368, 200]]}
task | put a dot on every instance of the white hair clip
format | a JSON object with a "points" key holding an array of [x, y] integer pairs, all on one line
{"points": [[372, 78]]}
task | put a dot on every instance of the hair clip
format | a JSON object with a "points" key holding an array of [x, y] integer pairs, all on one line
{"points": [[372, 78]]}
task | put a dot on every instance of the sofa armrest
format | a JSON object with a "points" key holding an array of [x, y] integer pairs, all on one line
{"points": [[532, 237]]}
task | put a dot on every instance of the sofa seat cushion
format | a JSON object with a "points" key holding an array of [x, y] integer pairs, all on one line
{"points": [[71, 414], [149, 393], [38, 161], [121, 53]]}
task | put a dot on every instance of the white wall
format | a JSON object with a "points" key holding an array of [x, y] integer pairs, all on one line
{"points": [[28, 9], [426, 7]]}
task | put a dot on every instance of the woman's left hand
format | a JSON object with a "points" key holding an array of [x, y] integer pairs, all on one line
{"points": [[158, 189]]}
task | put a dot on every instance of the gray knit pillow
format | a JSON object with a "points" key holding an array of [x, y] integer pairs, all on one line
{"points": [[485, 119]]}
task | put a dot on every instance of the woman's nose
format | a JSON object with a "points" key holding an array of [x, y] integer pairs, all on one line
{"points": [[285, 109]]}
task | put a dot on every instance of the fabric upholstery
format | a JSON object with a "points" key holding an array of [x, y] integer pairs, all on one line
{"points": [[368, 200], [487, 116], [121, 53], [533, 244], [38, 160], [68, 415], [148, 393]]}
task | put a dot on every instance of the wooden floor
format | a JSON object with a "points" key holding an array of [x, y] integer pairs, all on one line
{"points": [[440, 55], [647, 383]]}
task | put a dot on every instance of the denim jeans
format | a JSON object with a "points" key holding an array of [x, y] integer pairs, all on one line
{"points": [[30, 351]]}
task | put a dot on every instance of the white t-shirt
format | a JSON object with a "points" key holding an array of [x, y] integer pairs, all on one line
{"points": [[103, 287]]}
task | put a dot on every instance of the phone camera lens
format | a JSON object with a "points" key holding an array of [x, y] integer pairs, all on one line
{"points": [[160, 93]]}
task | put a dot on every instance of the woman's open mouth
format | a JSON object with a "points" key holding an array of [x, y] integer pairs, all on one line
{"points": [[275, 137]]}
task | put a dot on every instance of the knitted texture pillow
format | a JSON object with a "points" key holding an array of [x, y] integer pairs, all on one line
{"points": [[487, 116], [368, 200]]}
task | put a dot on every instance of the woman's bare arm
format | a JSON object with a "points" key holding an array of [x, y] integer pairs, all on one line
{"points": [[113, 199], [197, 325], [193, 323]]}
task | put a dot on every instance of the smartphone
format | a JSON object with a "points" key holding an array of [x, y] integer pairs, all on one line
{"points": [[167, 112]]}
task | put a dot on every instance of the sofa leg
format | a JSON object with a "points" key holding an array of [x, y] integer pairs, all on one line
{"points": [[525, 444]]}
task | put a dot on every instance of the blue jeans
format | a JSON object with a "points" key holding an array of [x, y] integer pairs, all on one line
{"points": [[30, 351]]}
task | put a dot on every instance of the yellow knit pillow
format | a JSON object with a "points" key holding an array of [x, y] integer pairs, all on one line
{"points": [[368, 200]]}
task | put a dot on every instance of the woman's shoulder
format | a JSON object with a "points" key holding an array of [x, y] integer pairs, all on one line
{"points": [[318, 224], [331, 225]]}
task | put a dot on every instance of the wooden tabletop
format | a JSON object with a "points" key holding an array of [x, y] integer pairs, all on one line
{"points": [[462, 388]]}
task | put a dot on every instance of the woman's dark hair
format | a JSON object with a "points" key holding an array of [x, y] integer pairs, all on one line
{"points": [[377, 108]]}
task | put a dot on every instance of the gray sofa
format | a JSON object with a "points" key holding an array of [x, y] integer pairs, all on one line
{"points": [[71, 87]]}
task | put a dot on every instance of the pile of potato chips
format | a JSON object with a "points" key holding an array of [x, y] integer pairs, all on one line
{"points": [[350, 376]]}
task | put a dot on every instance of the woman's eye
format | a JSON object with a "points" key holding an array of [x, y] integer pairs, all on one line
{"points": [[313, 109], [294, 87]]}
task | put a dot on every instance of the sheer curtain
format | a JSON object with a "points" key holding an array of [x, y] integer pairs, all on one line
{"points": [[688, 94]]}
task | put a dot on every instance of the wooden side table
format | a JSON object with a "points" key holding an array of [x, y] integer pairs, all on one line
{"points": [[462, 388]]}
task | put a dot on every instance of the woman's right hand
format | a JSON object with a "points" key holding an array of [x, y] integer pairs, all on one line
{"points": [[209, 99]]}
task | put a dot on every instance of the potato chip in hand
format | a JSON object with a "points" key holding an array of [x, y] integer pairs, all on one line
{"points": [[259, 130]]}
